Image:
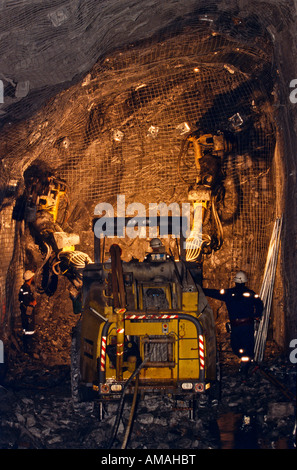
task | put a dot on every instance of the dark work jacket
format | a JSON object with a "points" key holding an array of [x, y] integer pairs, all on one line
{"points": [[26, 295], [241, 302]]}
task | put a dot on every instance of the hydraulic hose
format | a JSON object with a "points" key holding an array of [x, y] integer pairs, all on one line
{"points": [[217, 223], [128, 429], [121, 403]]}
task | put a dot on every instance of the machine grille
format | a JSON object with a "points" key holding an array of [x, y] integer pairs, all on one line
{"points": [[160, 350]]}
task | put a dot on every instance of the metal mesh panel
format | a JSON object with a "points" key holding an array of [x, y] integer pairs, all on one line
{"points": [[120, 131]]}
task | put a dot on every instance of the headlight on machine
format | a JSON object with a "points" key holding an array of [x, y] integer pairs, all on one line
{"points": [[116, 387], [187, 385]]}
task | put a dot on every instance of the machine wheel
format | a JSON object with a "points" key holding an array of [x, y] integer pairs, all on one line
{"points": [[79, 404], [75, 365]]}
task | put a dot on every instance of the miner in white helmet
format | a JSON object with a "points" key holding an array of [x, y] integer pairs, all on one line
{"points": [[158, 251], [244, 306], [27, 306]]}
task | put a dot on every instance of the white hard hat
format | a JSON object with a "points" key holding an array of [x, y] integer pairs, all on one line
{"points": [[155, 242], [28, 275], [240, 277]]}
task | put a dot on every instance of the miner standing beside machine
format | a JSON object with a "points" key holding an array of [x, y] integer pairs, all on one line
{"points": [[27, 306], [244, 307]]}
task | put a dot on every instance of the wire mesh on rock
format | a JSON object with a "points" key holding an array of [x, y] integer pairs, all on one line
{"points": [[120, 130]]}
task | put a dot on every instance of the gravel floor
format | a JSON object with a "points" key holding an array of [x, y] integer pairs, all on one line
{"points": [[37, 413]]}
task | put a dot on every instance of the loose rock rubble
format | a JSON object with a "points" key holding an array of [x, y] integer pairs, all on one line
{"points": [[38, 413]]}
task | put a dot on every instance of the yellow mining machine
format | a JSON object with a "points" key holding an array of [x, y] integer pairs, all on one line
{"points": [[146, 322]]}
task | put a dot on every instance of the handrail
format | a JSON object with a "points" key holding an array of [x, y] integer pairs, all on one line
{"points": [[182, 316]]}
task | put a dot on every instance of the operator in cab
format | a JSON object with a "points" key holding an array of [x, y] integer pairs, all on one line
{"points": [[158, 252], [244, 307]]}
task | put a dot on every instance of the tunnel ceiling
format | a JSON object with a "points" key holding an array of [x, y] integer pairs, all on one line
{"points": [[120, 129], [47, 45]]}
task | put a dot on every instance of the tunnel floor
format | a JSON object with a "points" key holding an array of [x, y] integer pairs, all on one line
{"points": [[37, 411]]}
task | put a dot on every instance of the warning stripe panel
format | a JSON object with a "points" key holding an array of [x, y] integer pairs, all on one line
{"points": [[201, 352], [157, 317], [103, 353]]}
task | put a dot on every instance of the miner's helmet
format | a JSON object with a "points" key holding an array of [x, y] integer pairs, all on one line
{"points": [[28, 275], [155, 243], [240, 277]]}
